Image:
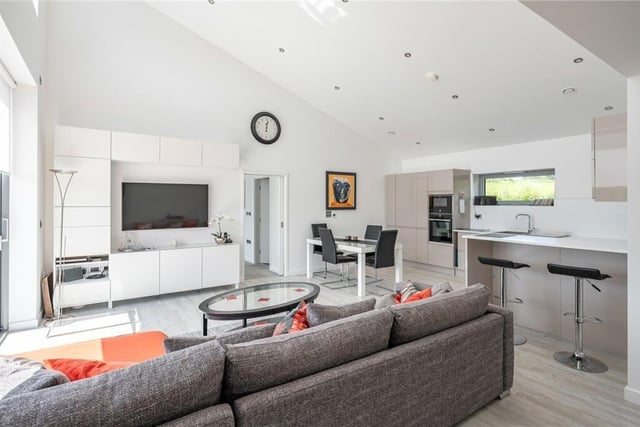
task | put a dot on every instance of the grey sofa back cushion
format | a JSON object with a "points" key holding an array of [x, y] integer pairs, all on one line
{"points": [[231, 337], [265, 363], [317, 314], [19, 375], [419, 319], [149, 393]]}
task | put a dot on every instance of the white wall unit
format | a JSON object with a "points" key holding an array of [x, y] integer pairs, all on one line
{"points": [[134, 274], [180, 270], [91, 186], [131, 147], [83, 216], [179, 151], [220, 155], [84, 291], [81, 241], [80, 142], [220, 265]]}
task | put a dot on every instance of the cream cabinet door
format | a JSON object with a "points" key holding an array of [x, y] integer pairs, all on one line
{"points": [[405, 201], [422, 200], [441, 181], [390, 199], [132, 147], [178, 151], [422, 245], [440, 255], [408, 238], [180, 270], [134, 274]]}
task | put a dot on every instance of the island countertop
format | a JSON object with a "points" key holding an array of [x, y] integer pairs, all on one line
{"points": [[618, 246]]}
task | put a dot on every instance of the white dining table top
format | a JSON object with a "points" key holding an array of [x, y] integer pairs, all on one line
{"points": [[356, 246]]}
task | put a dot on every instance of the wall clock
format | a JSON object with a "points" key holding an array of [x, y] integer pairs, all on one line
{"points": [[265, 128]]}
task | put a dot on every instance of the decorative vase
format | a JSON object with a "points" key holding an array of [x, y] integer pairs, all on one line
{"points": [[220, 240]]}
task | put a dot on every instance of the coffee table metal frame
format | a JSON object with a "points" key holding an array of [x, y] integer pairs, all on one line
{"points": [[209, 314]]}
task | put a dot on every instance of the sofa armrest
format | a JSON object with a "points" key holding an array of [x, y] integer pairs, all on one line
{"points": [[218, 416], [507, 343]]}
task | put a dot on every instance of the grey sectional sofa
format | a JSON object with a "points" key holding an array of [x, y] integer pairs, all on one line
{"points": [[427, 363]]}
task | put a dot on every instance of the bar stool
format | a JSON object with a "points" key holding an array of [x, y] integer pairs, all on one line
{"points": [[506, 264], [576, 359]]}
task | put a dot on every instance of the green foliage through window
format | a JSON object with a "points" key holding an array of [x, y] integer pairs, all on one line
{"points": [[534, 187]]}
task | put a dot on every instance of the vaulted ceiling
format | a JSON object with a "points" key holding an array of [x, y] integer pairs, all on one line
{"points": [[500, 66]]}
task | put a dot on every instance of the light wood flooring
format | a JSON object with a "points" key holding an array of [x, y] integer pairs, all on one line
{"points": [[545, 393]]}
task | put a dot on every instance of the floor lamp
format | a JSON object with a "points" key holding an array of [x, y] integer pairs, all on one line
{"points": [[58, 174]]}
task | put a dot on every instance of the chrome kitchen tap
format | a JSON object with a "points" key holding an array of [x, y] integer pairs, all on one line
{"points": [[530, 228]]}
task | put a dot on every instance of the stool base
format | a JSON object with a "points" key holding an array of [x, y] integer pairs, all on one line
{"points": [[584, 364], [519, 340]]}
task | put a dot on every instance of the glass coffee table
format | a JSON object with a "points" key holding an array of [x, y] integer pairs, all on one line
{"points": [[256, 301]]}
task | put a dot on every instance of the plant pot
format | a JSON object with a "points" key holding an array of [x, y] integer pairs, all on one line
{"points": [[220, 240]]}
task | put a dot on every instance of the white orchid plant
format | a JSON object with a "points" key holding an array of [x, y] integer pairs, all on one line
{"points": [[219, 219]]}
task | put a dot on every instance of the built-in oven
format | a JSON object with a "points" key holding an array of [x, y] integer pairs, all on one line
{"points": [[440, 218]]}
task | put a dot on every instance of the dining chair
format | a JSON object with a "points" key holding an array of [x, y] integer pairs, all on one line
{"points": [[317, 249], [330, 253], [384, 256], [372, 232]]}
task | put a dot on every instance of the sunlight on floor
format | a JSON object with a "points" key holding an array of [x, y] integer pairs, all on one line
{"points": [[69, 331]]}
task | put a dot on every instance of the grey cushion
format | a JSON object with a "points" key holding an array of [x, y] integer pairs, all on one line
{"points": [[386, 301], [149, 393], [418, 319], [264, 363], [20, 375], [232, 337], [317, 314], [218, 416]]}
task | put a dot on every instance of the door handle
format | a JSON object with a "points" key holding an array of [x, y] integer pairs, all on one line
{"points": [[5, 236]]}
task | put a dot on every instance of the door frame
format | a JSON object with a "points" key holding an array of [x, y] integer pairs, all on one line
{"points": [[285, 216]]}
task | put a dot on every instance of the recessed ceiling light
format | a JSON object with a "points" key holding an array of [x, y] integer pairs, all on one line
{"points": [[578, 60], [380, 118], [608, 107], [336, 87], [432, 77], [492, 130], [345, 1], [407, 54], [454, 97], [212, 1], [418, 143], [569, 91], [281, 49], [392, 132]]}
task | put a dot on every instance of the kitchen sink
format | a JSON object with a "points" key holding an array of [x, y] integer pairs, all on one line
{"points": [[536, 233]]}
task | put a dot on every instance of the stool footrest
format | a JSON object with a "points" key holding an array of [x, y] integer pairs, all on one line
{"points": [[569, 313], [593, 319], [515, 300]]}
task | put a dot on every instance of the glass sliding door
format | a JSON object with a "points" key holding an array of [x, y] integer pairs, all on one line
{"points": [[5, 166]]}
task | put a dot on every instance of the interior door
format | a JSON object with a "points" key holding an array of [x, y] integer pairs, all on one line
{"points": [[263, 220], [276, 225]]}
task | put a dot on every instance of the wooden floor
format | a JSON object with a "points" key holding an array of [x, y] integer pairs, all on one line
{"points": [[545, 393]]}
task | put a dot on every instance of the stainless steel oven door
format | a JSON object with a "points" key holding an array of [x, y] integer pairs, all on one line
{"points": [[440, 230]]}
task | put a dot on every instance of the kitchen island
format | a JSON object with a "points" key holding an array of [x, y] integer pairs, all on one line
{"points": [[547, 296]]}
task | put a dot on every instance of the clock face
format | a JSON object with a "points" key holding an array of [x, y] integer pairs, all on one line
{"points": [[265, 127]]}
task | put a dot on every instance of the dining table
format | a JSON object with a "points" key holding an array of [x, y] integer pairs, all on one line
{"points": [[361, 248]]}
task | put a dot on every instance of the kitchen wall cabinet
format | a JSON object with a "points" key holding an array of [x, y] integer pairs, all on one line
{"points": [[180, 270], [131, 147], [440, 181], [609, 151], [179, 151], [134, 274]]}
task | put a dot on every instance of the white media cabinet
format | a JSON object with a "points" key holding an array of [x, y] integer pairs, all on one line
{"points": [[88, 217]]}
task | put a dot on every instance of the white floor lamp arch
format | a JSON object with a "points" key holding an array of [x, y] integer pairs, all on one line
{"points": [[63, 187]]}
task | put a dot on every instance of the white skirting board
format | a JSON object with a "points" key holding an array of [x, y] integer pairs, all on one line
{"points": [[632, 395]]}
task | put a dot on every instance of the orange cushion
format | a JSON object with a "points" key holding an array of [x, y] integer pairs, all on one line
{"points": [[419, 295], [295, 321], [77, 369], [134, 347]]}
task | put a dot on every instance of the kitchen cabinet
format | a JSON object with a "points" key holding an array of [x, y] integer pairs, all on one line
{"points": [[178, 151], [220, 265], [408, 237], [180, 270], [390, 199], [80, 142], [441, 181], [609, 151], [440, 254], [422, 245], [131, 147], [406, 214], [134, 274]]}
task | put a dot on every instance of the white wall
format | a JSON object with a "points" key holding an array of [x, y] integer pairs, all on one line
{"points": [[575, 211], [125, 66], [632, 391]]}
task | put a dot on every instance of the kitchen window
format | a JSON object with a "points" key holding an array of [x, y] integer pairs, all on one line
{"points": [[532, 188]]}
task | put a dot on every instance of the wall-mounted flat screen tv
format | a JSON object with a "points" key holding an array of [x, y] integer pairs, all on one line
{"points": [[147, 206]]}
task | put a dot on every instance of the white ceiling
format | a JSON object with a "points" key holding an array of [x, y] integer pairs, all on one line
{"points": [[507, 65]]}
